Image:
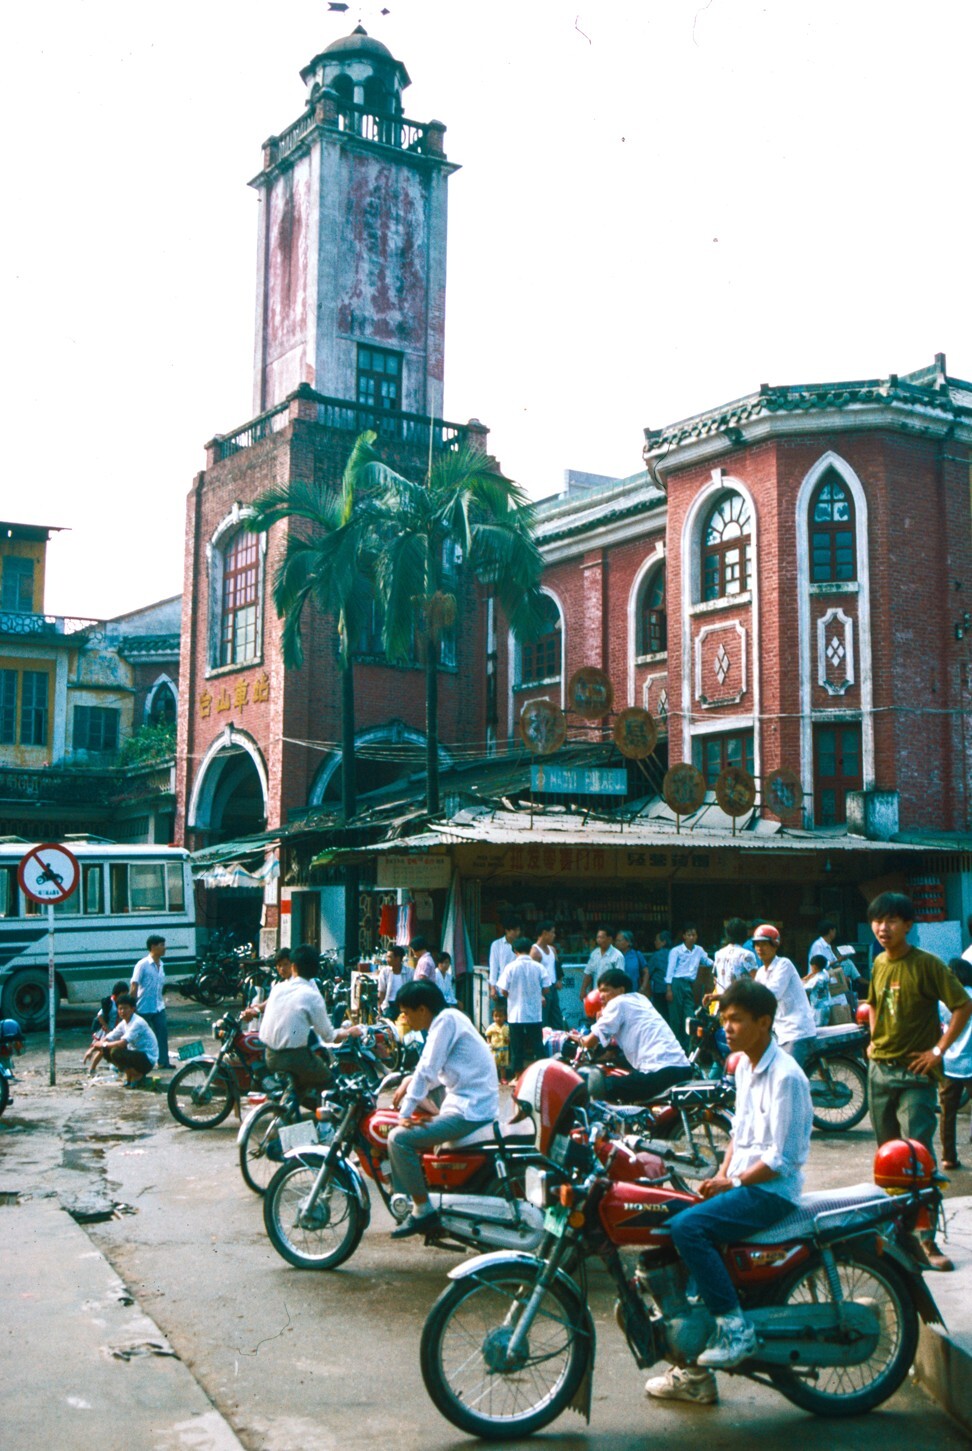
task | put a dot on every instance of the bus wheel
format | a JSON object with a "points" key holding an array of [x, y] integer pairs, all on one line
{"points": [[25, 998]]}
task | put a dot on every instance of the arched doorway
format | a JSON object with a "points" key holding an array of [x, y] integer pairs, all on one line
{"points": [[403, 756], [229, 796]]}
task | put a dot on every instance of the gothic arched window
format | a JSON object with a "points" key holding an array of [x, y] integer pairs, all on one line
{"points": [[162, 710], [833, 550], [727, 548], [652, 615]]}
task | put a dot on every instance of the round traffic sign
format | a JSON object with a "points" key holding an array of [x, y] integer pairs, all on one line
{"points": [[49, 873]]}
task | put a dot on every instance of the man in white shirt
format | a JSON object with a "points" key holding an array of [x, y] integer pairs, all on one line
{"points": [[424, 962], [500, 953], [148, 986], [295, 1016], [794, 1025], [684, 962], [544, 952], [644, 1038], [392, 977], [455, 1058], [604, 956], [758, 1184], [522, 984], [131, 1045], [284, 964]]}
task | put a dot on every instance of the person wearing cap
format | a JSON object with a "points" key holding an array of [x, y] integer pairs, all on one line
{"points": [[794, 1024]]}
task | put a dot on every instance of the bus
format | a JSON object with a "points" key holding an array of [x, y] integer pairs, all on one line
{"points": [[125, 893]]}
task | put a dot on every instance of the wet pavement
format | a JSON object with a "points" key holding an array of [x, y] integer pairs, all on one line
{"points": [[284, 1359]]}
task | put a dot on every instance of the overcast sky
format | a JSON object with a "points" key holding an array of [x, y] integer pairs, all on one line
{"points": [[661, 205]]}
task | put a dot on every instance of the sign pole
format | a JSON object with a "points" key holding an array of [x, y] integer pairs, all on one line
{"points": [[51, 995]]}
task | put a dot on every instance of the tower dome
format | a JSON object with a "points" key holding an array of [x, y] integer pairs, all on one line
{"points": [[361, 70]]}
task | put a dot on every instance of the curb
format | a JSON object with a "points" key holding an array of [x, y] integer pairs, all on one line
{"points": [[943, 1364]]}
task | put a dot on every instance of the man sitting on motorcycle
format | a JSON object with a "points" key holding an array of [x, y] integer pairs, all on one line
{"points": [[644, 1037], [294, 1018], [759, 1182], [455, 1059]]}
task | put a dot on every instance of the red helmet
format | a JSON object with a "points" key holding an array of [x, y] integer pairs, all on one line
{"points": [[767, 933], [548, 1092], [593, 1004], [863, 1015], [733, 1062], [903, 1164]]}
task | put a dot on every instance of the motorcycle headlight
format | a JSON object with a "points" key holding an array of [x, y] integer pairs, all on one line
{"points": [[537, 1187]]}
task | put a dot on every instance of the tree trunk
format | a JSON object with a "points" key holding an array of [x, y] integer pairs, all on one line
{"points": [[432, 726], [349, 807]]}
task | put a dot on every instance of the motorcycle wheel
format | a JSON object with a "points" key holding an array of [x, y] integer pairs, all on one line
{"points": [[838, 1090], [710, 1138], [4, 1094], [463, 1340], [338, 1227], [850, 1390], [260, 1151], [209, 989], [194, 1105]]}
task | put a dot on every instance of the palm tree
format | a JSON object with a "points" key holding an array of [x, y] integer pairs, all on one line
{"points": [[328, 563], [467, 506]]}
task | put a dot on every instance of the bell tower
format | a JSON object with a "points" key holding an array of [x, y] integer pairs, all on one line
{"points": [[351, 268]]}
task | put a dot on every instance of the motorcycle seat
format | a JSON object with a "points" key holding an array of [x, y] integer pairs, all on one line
{"points": [[840, 1205], [484, 1135], [850, 1031]]}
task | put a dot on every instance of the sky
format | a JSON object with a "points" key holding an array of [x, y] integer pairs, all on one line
{"points": [[662, 205]]}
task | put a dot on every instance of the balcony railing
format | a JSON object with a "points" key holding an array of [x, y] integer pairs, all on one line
{"points": [[411, 429], [383, 130], [45, 627]]}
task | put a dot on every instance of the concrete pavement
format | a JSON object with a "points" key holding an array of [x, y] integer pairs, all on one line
{"points": [[272, 1358]]}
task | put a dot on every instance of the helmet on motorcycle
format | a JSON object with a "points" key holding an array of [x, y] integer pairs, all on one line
{"points": [[548, 1092], [733, 1062], [766, 932], [593, 1004], [863, 1016], [903, 1164]]}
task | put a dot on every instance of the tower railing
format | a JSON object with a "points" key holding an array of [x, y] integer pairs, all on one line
{"points": [[381, 129], [347, 417]]}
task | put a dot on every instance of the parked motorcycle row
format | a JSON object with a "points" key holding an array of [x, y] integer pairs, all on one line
{"points": [[835, 1290]]}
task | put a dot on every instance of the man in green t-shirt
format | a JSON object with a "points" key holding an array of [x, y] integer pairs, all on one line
{"points": [[907, 1041]]}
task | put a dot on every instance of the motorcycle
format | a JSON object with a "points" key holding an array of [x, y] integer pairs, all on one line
{"points": [[220, 976], [11, 1041], [836, 1068], [316, 1207], [834, 1290], [208, 1087], [689, 1124]]}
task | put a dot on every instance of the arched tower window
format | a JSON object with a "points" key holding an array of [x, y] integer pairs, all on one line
{"points": [[652, 614], [343, 86], [727, 548], [239, 606], [162, 711], [539, 658], [833, 548]]}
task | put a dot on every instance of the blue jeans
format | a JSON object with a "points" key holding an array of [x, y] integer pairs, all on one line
{"points": [[157, 1022], [699, 1230]]}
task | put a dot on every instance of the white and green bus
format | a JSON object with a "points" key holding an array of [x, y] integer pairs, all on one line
{"points": [[125, 893]]}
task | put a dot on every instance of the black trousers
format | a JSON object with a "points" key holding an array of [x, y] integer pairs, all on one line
{"points": [[640, 1087], [526, 1045]]}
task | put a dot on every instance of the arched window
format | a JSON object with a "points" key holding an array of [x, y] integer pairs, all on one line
{"points": [[240, 599], [652, 616], [162, 711], [833, 550], [539, 658], [343, 87], [727, 548]]}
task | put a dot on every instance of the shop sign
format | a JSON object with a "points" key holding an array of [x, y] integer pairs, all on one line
{"points": [[635, 733], [543, 727], [579, 780], [245, 691], [590, 693], [417, 870]]}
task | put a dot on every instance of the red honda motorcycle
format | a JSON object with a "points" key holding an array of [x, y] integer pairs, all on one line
{"points": [[316, 1207], [834, 1290]]}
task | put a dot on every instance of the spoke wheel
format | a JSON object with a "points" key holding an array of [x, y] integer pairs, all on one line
{"points": [[464, 1353], [838, 1090], [710, 1139], [317, 1239], [850, 1390], [195, 1105], [260, 1152]]}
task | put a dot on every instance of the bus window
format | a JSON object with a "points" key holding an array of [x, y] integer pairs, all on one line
{"points": [[119, 887], [177, 887], [146, 882], [92, 878], [8, 892]]}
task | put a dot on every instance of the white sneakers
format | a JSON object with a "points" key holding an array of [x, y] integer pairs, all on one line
{"points": [[684, 1384], [733, 1340]]}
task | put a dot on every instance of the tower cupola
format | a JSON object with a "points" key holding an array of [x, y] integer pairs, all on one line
{"points": [[361, 71]]}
